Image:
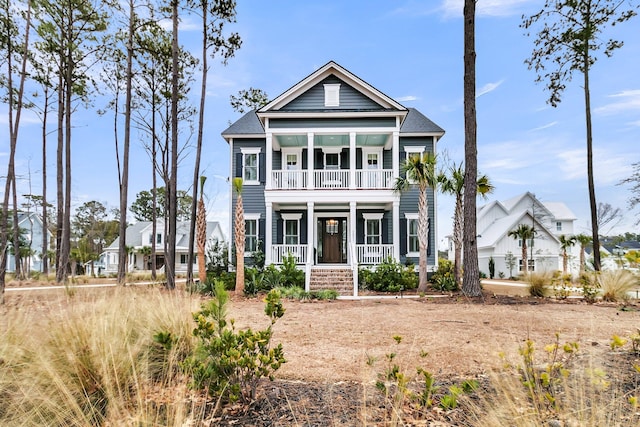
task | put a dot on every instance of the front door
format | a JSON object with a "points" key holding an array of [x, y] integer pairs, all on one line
{"points": [[332, 233]]}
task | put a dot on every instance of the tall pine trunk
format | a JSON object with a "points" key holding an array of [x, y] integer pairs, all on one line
{"points": [[592, 188], [173, 173], [471, 279]]}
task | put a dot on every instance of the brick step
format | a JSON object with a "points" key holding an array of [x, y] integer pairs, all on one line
{"points": [[339, 279]]}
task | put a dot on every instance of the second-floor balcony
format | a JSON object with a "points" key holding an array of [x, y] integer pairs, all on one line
{"points": [[332, 179]]}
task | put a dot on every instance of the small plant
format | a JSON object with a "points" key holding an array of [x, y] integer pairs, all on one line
{"points": [[590, 287], [538, 284], [326, 294], [228, 363], [561, 285], [501, 274], [388, 276], [444, 277], [492, 268]]}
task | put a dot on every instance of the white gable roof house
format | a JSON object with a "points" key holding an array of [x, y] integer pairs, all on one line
{"points": [[550, 220], [139, 236]]}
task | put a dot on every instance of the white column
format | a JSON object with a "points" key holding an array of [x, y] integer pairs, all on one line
{"points": [[268, 234], [395, 155], [311, 160], [396, 230], [352, 160], [311, 238], [269, 160], [352, 246]]}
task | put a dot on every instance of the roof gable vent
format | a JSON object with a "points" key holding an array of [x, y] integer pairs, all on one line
{"points": [[332, 95]]}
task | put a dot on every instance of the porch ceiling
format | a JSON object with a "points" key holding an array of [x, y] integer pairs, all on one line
{"points": [[338, 140]]}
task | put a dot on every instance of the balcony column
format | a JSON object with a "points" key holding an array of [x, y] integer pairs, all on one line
{"points": [[311, 160], [352, 250], [268, 234], [268, 160], [396, 230], [352, 160], [395, 155], [311, 238]]}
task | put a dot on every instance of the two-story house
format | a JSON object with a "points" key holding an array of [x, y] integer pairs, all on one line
{"points": [[318, 165], [550, 220], [139, 239], [31, 230]]}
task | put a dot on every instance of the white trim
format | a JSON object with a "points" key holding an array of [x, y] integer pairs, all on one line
{"points": [[251, 216], [251, 150], [256, 218], [291, 216], [409, 149], [374, 216], [409, 217], [332, 150], [248, 151]]}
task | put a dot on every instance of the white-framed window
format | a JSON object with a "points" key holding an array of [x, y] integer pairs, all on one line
{"points": [[291, 161], [372, 228], [411, 151], [529, 243], [250, 165], [159, 238], [332, 95], [184, 259], [332, 161], [413, 244], [251, 222], [558, 226], [531, 263], [291, 228]]}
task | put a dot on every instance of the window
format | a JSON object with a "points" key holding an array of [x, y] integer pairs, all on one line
{"points": [[410, 152], [529, 243], [332, 161], [531, 263], [332, 95], [159, 239], [184, 258], [558, 226], [372, 160], [291, 231], [251, 235], [250, 165], [372, 228], [413, 244], [292, 161]]}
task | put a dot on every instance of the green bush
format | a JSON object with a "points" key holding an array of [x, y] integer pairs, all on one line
{"points": [[228, 363], [389, 276], [444, 278]]}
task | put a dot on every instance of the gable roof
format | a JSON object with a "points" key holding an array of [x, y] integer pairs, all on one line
{"points": [[331, 68], [502, 226], [418, 123], [134, 233]]}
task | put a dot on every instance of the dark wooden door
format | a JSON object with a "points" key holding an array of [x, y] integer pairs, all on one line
{"points": [[332, 241]]}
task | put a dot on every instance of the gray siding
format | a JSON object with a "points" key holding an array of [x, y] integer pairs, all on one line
{"points": [[409, 200], [350, 98], [333, 122]]}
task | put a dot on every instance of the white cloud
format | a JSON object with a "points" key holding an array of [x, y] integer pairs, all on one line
{"points": [[548, 125], [489, 87], [407, 98], [628, 100], [609, 169], [453, 8]]}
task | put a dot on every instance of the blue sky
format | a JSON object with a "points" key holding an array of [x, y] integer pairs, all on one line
{"points": [[412, 51]]}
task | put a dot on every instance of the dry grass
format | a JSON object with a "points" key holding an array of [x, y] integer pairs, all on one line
{"points": [[92, 360], [616, 284]]}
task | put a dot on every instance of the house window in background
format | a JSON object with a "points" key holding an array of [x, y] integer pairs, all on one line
{"points": [[250, 165], [558, 226], [251, 233], [413, 244]]}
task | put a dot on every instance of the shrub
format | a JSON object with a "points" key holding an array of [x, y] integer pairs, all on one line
{"points": [[616, 284], [590, 287], [228, 363], [388, 276], [291, 275], [444, 278], [492, 268], [538, 283]]}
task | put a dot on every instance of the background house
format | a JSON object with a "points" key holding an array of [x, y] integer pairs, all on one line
{"points": [[318, 165], [139, 238], [549, 219], [31, 230]]}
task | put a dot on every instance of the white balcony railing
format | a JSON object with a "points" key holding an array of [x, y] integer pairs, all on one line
{"points": [[279, 252], [331, 178], [289, 180], [373, 254], [377, 178]]}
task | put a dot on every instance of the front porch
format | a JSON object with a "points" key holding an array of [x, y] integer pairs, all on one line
{"points": [[366, 254]]}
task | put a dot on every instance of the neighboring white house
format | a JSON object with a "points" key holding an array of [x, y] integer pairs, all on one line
{"points": [[31, 228], [139, 238], [550, 220]]}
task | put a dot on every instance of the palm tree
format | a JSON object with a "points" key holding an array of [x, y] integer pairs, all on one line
{"points": [[584, 240], [523, 232], [420, 171], [454, 185], [239, 235], [201, 233], [566, 243]]}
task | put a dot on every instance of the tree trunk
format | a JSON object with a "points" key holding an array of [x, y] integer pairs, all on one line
{"points": [[60, 177], [592, 188], [525, 263], [239, 241], [423, 238], [458, 224], [471, 279], [173, 173], [45, 222], [201, 237], [196, 168]]}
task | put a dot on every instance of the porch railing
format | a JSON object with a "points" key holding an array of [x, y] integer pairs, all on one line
{"points": [[331, 178], [279, 252], [373, 254], [289, 180], [380, 178]]}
